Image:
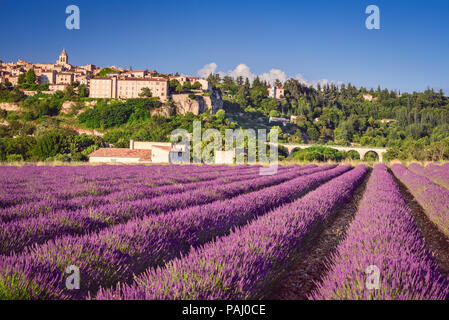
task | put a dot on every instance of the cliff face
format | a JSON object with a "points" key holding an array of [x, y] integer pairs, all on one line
{"points": [[163, 111], [67, 106], [200, 104], [10, 106]]}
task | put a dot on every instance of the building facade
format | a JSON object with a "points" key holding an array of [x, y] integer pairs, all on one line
{"points": [[65, 78], [276, 92], [142, 152], [63, 58], [127, 88]]}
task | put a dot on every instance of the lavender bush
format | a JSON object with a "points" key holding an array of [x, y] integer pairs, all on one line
{"points": [[432, 197], [383, 234], [243, 264]]}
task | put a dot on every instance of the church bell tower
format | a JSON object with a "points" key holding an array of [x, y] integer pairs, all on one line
{"points": [[63, 58]]}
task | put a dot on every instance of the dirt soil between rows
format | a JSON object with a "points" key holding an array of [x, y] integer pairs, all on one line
{"points": [[434, 239], [299, 278]]}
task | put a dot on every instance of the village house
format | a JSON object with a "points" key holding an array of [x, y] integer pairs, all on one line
{"points": [[127, 88], [225, 157], [65, 78], [276, 92], [205, 85], [284, 121], [135, 74], [387, 120], [48, 77], [368, 97], [142, 152]]}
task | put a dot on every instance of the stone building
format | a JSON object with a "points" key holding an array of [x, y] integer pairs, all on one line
{"points": [[142, 152], [276, 92], [63, 59], [65, 78], [127, 88], [205, 85]]}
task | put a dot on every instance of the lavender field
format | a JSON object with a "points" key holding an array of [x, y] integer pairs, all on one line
{"points": [[224, 232]]}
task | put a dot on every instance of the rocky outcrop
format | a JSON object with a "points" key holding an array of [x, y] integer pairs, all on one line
{"points": [[67, 106], [89, 132], [164, 111], [214, 101], [183, 103], [10, 106]]}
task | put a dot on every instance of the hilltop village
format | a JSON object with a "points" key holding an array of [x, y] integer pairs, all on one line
{"points": [[111, 82]]}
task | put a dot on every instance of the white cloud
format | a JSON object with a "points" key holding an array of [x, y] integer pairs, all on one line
{"points": [[301, 79], [205, 71], [314, 83], [244, 71], [274, 74], [241, 70]]}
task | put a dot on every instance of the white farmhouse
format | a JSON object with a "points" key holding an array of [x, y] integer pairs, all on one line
{"points": [[143, 152]]}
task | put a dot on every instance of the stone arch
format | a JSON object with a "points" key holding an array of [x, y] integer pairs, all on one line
{"points": [[365, 153], [356, 153], [293, 149]]}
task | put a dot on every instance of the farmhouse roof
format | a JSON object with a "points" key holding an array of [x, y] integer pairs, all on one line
{"points": [[166, 148], [143, 155]]}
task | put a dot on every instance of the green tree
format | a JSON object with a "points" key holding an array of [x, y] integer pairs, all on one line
{"points": [[83, 91], [51, 144], [274, 113], [145, 93], [30, 77], [187, 85], [179, 89], [220, 115], [197, 85]]}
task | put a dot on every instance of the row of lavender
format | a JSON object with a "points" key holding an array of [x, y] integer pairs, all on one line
{"points": [[50, 204], [432, 197], [383, 235], [63, 183], [245, 263], [16, 235], [438, 174], [118, 253]]}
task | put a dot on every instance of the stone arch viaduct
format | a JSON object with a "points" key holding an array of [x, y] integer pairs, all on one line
{"points": [[360, 150]]}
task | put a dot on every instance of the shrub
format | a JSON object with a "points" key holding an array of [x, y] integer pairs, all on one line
{"points": [[50, 144], [14, 157], [317, 153]]}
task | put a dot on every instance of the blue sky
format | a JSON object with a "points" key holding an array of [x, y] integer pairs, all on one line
{"points": [[309, 39]]}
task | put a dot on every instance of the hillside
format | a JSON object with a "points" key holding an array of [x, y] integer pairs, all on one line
{"points": [[68, 125]]}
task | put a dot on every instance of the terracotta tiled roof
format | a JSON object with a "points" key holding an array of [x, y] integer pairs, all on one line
{"points": [[136, 71], [143, 155], [162, 147], [143, 79]]}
